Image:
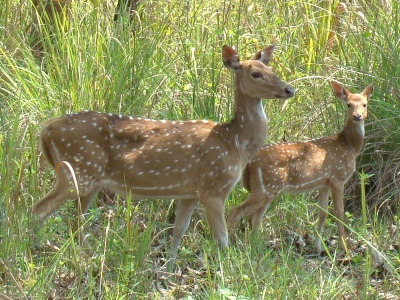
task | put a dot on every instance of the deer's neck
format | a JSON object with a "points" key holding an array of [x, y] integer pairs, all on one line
{"points": [[353, 135], [248, 128]]}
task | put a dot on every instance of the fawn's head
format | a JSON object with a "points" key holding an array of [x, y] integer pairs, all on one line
{"points": [[254, 78], [356, 103]]}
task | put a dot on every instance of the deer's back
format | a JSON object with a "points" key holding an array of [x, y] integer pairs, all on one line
{"points": [[149, 157], [301, 166]]}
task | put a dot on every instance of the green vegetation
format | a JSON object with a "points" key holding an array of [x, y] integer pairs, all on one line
{"points": [[166, 64]]}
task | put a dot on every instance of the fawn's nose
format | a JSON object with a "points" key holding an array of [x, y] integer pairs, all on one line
{"points": [[357, 117], [289, 91]]}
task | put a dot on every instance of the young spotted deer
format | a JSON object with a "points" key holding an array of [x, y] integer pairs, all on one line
{"points": [[188, 161], [324, 164]]}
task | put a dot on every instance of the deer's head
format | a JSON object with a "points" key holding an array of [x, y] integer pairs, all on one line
{"points": [[253, 77], [356, 103]]}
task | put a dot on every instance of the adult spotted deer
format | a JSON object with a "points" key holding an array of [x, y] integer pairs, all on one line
{"points": [[189, 161], [324, 164]]}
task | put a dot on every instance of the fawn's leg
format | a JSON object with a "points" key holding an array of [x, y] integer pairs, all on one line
{"points": [[255, 218], [337, 197], [251, 205], [58, 195], [323, 197], [82, 204], [183, 214]]}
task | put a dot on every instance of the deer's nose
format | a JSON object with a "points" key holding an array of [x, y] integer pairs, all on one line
{"points": [[357, 117], [289, 91]]}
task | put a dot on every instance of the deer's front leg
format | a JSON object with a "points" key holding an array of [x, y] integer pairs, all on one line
{"points": [[182, 220], [214, 206], [323, 197], [337, 197]]}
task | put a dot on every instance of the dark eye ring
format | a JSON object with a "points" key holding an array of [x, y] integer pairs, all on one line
{"points": [[256, 75]]}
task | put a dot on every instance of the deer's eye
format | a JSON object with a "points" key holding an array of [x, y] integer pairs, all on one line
{"points": [[365, 105], [256, 75], [348, 105]]}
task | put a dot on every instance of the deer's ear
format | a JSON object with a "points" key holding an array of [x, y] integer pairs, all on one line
{"points": [[265, 55], [340, 91], [368, 90], [230, 58]]}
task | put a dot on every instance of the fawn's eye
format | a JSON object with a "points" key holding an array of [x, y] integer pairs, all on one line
{"points": [[256, 75], [348, 105], [365, 105]]}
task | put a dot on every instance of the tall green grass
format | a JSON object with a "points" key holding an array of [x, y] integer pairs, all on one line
{"points": [[166, 64]]}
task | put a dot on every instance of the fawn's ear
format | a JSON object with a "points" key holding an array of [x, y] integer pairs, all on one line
{"points": [[368, 90], [340, 91], [264, 55], [230, 58]]}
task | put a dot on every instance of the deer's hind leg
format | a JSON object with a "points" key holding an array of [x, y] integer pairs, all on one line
{"points": [[64, 189], [255, 206], [57, 196], [82, 204], [255, 218]]}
